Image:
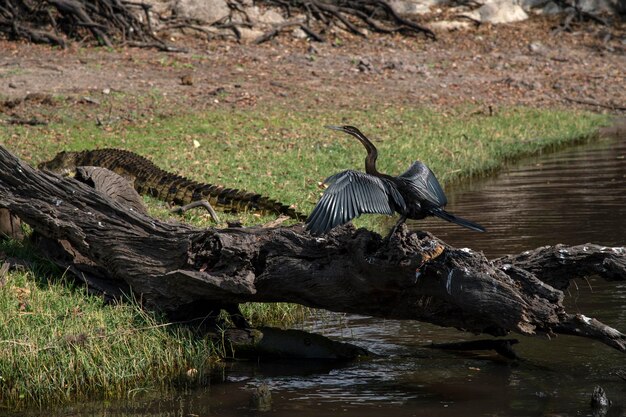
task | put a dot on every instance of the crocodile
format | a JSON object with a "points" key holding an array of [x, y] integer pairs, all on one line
{"points": [[147, 178]]}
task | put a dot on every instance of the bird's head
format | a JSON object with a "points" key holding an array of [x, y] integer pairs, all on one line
{"points": [[372, 152], [351, 130]]}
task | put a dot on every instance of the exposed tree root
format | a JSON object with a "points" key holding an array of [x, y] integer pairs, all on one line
{"points": [[375, 15], [113, 22], [276, 30], [108, 22]]}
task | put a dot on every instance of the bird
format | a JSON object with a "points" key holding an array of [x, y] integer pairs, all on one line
{"points": [[415, 194]]}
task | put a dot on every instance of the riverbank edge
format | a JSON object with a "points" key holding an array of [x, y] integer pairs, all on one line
{"points": [[192, 368]]}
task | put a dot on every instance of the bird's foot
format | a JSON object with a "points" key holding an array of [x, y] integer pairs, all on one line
{"points": [[395, 227]]}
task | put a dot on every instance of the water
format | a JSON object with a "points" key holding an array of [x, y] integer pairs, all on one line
{"points": [[573, 196]]}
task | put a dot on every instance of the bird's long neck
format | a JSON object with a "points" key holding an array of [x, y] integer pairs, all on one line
{"points": [[370, 162], [372, 155]]}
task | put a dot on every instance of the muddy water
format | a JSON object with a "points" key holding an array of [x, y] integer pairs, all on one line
{"points": [[572, 196]]}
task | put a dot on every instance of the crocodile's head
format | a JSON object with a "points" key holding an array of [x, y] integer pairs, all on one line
{"points": [[64, 163]]}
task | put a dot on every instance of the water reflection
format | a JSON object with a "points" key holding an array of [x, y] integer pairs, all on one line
{"points": [[574, 196]]}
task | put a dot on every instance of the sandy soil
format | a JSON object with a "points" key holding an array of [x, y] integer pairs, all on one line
{"points": [[490, 66]]}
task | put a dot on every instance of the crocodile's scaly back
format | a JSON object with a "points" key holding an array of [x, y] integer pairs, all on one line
{"points": [[149, 179]]}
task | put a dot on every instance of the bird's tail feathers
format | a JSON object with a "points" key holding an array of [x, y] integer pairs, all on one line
{"points": [[442, 214]]}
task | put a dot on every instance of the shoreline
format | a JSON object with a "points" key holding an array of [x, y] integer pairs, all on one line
{"points": [[87, 333]]}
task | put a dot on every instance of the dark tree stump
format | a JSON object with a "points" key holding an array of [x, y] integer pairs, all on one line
{"points": [[178, 268]]}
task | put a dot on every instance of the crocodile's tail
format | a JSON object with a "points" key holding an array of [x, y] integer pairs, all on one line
{"points": [[149, 179], [240, 200], [181, 190]]}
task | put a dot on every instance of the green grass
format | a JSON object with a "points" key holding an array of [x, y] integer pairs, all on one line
{"points": [[276, 314], [286, 154], [59, 344]]}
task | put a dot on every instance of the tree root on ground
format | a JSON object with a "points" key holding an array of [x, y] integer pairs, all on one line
{"points": [[109, 22], [120, 22], [375, 15]]}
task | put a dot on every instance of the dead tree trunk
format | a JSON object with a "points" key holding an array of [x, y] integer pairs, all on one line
{"points": [[10, 225], [178, 268]]}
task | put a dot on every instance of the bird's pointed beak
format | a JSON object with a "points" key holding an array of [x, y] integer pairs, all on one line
{"points": [[340, 128]]}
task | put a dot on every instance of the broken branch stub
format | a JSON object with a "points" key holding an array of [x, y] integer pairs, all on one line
{"points": [[178, 268]]}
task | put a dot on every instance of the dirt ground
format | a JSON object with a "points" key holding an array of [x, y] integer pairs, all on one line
{"points": [[490, 66]]}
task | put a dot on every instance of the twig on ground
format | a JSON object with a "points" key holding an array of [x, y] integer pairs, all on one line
{"points": [[589, 102], [30, 122], [276, 30]]}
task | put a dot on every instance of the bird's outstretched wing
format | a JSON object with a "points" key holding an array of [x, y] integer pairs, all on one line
{"points": [[350, 194], [422, 180]]}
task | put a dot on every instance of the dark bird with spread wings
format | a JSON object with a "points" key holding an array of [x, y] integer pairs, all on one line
{"points": [[414, 194]]}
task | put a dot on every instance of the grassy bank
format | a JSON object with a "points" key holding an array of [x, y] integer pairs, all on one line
{"points": [[59, 344], [285, 154]]}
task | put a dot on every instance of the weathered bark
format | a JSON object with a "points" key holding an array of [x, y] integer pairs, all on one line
{"points": [[178, 268], [112, 185], [558, 265], [10, 225]]}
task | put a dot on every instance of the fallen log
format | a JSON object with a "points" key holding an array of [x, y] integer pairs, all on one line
{"points": [[558, 265], [186, 271], [10, 226]]}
